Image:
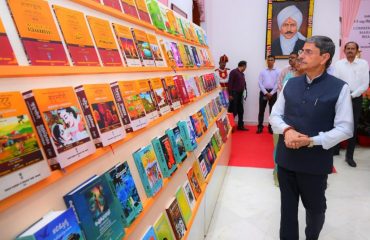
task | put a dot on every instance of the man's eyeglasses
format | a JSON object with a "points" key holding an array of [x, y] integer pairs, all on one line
{"points": [[305, 51]]}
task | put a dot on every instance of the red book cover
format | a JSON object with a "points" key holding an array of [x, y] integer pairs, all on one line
{"points": [[129, 8], [6, 54], [143, 11], [181, 88], [113, 4]]}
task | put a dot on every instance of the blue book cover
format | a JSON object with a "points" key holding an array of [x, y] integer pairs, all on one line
{"points": [[61, 225], [188, 135], [123, 186], [97, 208], [177, 144], [148, 168], [165, 155], [204, 114], [150, 234]]}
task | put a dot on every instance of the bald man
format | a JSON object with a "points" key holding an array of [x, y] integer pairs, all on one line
{"points": [[291, 40]]}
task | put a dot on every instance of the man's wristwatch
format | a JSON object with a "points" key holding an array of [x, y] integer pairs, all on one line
{"points": [[311, 144]]}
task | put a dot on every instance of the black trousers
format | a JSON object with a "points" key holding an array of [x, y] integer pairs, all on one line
{"points": [[262, 106], [237, 108], [311, 189]]}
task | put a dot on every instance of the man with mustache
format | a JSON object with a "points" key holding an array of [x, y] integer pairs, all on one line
{"points": [[291, 40]]}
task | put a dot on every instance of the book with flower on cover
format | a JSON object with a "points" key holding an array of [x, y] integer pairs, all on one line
{"points": [[160, 96], [129, 7], [143, 47], [156, 50], [143, 11], [7, 56], [150, 105]]}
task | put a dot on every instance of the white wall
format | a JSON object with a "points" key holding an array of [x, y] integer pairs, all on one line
{"points": [[184, 5], [238, 29]]}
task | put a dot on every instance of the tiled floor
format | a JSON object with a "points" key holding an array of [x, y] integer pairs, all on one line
{"points": [[249, 204]]}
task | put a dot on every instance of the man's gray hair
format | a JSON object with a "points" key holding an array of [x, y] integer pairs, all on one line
{"points": [[325, 44]]}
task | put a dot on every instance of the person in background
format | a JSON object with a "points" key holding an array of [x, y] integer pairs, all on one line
{"points": [[289, 71], [312, 114], [236, 87], [222, 71], [268, 83], [355, 72]]}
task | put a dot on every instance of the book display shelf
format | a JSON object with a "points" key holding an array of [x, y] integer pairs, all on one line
{"points": [[56, 53]]}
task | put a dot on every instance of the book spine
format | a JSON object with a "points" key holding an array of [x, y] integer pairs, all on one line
{"points": [[142, 173], [160, 157], [121, 107]]}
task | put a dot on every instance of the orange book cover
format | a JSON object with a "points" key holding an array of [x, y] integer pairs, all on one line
{"points": [[38, 32], [21, 161], [168, 54], [147, 99], [172, 22], [7, 56], [194, 183], [160, 96], [129, 7], [198, 173], [76, 36], [143, 47], [172, 93], [143, 11], [156, 51], [60, 125], [104, 41], [101, 112]]}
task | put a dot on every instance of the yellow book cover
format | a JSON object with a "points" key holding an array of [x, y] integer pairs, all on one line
{"points": [[156, 51], [172, 22], [184, 57], [160, 96], [198, 173], [143, 47], [184, 205], [143, 11], [147, 99], [172, 92]]}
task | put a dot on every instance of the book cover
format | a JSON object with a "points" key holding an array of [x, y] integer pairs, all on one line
{"points": [[143, 11], [163, 229], [38, 32], [184, 27], [129, 7], [205, 56], [165, 155], [189, 194], [113, 4], [168, 54], [181, 88], [202, 121], [7, 56], [218, 138], [188, 135], [180, 27], [160, 96], [155, 14], [173, 28], [147, 99], [97, 103], [97, 209], [200, 86], [148, 168], [163, 12], [76, 36], [190, 55], [201, 58], [171, 91], [215, 145], [205, 118], [130, 106], [127, 45], [54, 225], [195, 187], [143, 47], [104, 41], [198, 173], [124, 187], [150, 234], [222, 129], [177, 144], [191, 88], [21, 161], [209, 156], [176, 54], [197, 61], [203, 166], [183, 205], [197, 125], [184, 57], [176, 220], [60, 125], [156, 51]]}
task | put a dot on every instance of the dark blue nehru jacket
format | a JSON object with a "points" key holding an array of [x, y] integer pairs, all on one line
{"points": [[310, 109]]}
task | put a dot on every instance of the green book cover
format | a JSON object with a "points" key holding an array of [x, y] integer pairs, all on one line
{"points": [[162, 228], [155, 13], [184, 205]]}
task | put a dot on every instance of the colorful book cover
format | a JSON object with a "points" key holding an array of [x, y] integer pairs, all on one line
{"points": [[189, 194], [97, 103], [222, 129], [184, 57], [162, 228], [150, 234], [179, 27], [129, 7], [176, 54], [126, 42], [97, 209], [201, 57], [155, 13], [194, 183], [54, 225], [188, 135], [199, 34], [199, 83], [168, 54], [184, 205], [211, 153], [197, 125], [165, 155], [148, 168], [147, 100], [143, 47], [203, 166], [129, 104], [176, 220], [60, 125], [184, 27], [7, 56], [143, 11], [173, 29], [181, 88], [191, 88], [160, 96], [22, 163], [198, 173], [194, 52], [209, 157], [218, 138], [158, 58], [189, 53], [177, 144], [124, 187], [215, 145], [205, 118], [171, 91], [104, 41], [113, 4], [205, 56], [202, 121], [76, 36], [38, 32]]}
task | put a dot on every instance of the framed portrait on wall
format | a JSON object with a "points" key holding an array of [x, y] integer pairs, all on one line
{"points": [[289, 23]]}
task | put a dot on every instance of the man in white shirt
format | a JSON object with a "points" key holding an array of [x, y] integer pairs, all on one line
{"points": [[355, 72]]}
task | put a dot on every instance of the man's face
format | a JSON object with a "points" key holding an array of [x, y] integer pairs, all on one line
{"points": [[270, 62], [292, 59], [350, 50], [311, 58], [289, 28], [242, 69], [222, 65]]}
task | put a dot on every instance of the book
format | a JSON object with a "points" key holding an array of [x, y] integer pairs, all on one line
{"points": [[143, 11], [191, 87], [189, 194], [183, 205], [209, 156], [203, 166], [163, 11], [113, 4], [188, 135], [148, 168], [204, 115], [130, 106], [97, 209], [143, 47], [215, 145], [190, 56], [160, 96], [197, 125], [123, 186], [176, 220], [181, 88], [176, 54], [162, 228], [104, 41], [184, 57], [76, 36], [155, 14], [199, 83], [147, 99], [172, 22], [165, 155], [127, 45], [202, 121], [171, 91], [195, 187], [129, 7], [168, 54], [150, 234], [7, 56], [54, 225], [157, 55], [177, 144], [22, 163], [198, 173], [60, 125], [100, 110], [197, 61], [38, 32]]}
